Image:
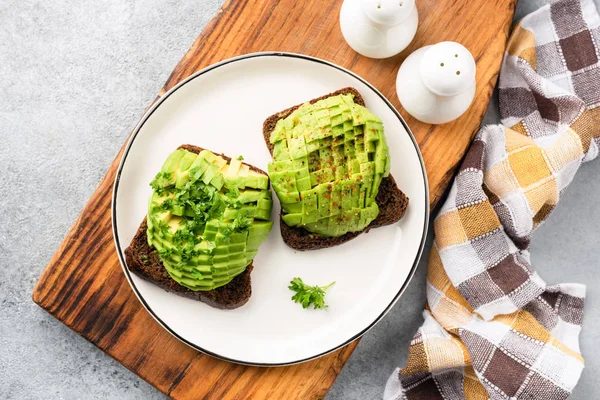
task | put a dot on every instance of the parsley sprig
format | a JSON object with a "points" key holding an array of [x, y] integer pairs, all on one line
{"points": [[307, 295]]}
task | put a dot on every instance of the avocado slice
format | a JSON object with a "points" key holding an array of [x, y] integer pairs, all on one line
{"points": [[329, 159], [207, 217]]}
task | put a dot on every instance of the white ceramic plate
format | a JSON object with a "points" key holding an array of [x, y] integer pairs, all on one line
{"points": [[222, 108]]}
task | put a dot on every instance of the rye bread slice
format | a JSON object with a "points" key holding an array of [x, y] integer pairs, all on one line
{"points": [[144, 261], [390, 199]]}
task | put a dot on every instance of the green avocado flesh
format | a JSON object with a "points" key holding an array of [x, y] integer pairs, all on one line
{"points": [[207, 217], [328, 161]]}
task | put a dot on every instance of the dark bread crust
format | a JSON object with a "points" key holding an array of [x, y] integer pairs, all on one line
{"points": [[391, 200], [143, 260]]}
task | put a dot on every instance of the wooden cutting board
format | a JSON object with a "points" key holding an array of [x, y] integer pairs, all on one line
{"points": [[84, 287]]}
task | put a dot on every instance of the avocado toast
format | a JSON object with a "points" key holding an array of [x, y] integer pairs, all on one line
{"points": [[330, 171], [207, 216]]}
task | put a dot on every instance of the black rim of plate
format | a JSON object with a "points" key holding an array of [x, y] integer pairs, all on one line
{"points": [[155, 106]]}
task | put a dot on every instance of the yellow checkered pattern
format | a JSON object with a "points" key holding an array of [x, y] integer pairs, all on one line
{"points": [[493, 328]]}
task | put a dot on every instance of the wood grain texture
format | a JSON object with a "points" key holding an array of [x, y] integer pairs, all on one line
{"points": [[84, 286]]}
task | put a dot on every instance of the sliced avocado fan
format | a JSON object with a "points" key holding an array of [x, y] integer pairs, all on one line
{"points": [[207, 217], [328, 161]]}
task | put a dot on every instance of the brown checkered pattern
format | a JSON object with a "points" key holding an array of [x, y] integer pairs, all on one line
{"points": [[493, 328]]}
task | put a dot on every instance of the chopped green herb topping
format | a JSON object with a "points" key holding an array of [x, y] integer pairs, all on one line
{"points": [[165, 252], [161, 181]]}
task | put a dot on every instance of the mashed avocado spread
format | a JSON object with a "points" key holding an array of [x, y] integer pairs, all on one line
{"points": [[207, 217]]}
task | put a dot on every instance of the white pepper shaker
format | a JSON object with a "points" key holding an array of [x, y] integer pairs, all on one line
{"points": [[379, 28], [436, 84]]}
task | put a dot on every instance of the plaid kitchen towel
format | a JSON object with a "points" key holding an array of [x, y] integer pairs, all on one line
{"points": [[493, 328]]}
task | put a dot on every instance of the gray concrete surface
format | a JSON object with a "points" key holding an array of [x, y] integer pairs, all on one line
{"points": [[75, 77]]}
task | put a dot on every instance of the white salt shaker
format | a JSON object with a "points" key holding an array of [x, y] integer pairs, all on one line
{"points": [[436, 84], [379, 28]]}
